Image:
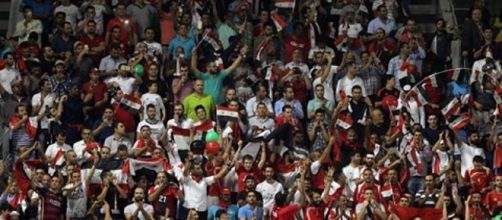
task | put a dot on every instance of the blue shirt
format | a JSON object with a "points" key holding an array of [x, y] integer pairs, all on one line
{"points": [[248, 213], [213, 84], [297, 108], [231, 212], [187, 44], [388, 25]]}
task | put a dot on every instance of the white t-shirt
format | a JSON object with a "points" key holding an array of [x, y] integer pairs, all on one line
{"points": [[352, 174], [7, 76], [76, 201], [156, 129], [130, 209], [156, 100], [125, 83], [268, 192], [329, 91], [72, 14], [48, 104], [197, 192], [53, 149]]}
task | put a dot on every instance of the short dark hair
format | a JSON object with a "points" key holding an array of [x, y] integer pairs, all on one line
{"points": [[199, 107]]}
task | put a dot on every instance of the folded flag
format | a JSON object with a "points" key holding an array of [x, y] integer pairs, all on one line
{"points": [[460, 122], [131, 102], [452, 108], [181, 137], [405, 213], [344, 121], [285, 3], [279, 23]]}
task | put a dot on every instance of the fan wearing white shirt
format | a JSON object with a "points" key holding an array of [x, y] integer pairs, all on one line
{"points": [[324, 73], [53, 149], [153, 98], [139, 209], [123, 81], [349, 81], [157, 128], [195, 184], [268, 188], [81, 147]]}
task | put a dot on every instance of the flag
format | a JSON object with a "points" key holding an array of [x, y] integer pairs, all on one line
{"points": [[227, 113], [252, 148], [344, 121], [261, 49], [205, 126], [460, 122], [399, 127], [430, 81], [181, 137], [131, 103], [417, 96], [343, 95], [497, 95], [23, 170], [155, 164], [30, 126], [117, 168], [213, 41], [414, 160], [285, 3], [405, 213], [278, 21], [452, 108], [219, 63]]}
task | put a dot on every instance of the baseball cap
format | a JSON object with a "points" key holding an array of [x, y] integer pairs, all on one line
{"points": [[78, 43], [59, 62]]}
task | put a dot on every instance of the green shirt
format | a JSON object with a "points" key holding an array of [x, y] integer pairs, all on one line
{"points": [[213, 84], [193, 100]]}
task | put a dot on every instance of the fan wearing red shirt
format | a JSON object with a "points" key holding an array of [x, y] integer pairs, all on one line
{"points": [[248, 168], [316, 168], [122, 114], [164, 196], [281, 211], [479, 176], [145, 146], [95, 42], [95, 92], [474, 209], [493, 199], [296, 41], [318, 205], [128, 33], [369, 183]]}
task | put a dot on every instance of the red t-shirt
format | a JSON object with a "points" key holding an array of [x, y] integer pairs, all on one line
{"points": [[214, 189], [124, 36], [125, 117], [167, 199], [315, 212], [479, 177], [98, 90], [493, 200], [242, 174], [284, 213], [93, 43], [292, 43]]}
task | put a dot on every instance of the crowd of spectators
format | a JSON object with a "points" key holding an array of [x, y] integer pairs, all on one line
{"points": [[249, 109]]}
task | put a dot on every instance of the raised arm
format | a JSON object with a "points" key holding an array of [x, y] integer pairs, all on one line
{"points": [[263, 157], [242, 54], [327, 149]]}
